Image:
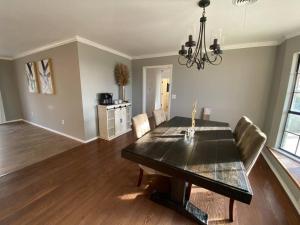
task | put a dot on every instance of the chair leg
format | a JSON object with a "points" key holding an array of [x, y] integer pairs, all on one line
{"points": [[188, 191], [140, 177], [231, 208]]}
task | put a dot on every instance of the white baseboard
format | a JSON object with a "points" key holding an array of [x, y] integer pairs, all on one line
{"points": [[90, 140], [286, 189], [12, 121], [55, 131]]}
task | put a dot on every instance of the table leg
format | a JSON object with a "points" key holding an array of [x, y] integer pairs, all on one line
{"points": [[231, 209], [178, 200]]}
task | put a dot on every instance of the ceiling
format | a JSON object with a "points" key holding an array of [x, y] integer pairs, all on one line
{"points": [[139, 27]]}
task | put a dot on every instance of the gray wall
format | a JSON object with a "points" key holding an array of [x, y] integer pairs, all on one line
{"points": [[9, 91], [279, 98], [278, 95], [66, 104], [97, 75], [239, 86]]}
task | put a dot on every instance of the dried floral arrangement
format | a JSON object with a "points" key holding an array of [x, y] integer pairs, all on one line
{"points": [[121, 74]]}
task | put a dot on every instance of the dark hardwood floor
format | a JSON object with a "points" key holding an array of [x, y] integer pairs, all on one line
{"points": [[22, 144], [92, 184]]}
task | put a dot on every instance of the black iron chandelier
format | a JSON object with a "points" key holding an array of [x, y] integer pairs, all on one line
{"points": [[199, 55]]}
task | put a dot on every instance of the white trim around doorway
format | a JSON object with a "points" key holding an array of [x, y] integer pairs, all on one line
{"points": [[168, 66]]}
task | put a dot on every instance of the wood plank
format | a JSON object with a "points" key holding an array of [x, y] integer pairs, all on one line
{"points": [[22, 144], [92, 184]]}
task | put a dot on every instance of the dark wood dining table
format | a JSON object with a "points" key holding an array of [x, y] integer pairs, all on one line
{"points": [[210, 160]]}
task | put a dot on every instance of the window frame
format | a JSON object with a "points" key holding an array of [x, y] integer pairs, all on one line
{"points": [[290, 111]]}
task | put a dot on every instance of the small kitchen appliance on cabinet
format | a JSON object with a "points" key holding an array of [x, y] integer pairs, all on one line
{"points": [[105, 98]]}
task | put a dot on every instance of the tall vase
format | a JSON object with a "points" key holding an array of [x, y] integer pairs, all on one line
{"points": [[122, 93]]}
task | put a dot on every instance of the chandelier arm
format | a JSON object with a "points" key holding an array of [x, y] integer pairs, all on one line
{"points": [[211, 61], [206, 55], [201, 41], [190, 63], [196, 53]]}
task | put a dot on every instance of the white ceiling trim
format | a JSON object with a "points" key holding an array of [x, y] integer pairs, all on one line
{"points": [[291, 35], [251, 45], [155, 55], [113, 51], [226, 47], [70, 40], [102, 47], [45, 47]]}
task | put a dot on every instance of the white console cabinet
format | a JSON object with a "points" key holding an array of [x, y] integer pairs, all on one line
{"points": [[114, 120]]}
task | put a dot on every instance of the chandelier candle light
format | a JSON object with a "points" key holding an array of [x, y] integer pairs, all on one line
{"points": [[199, 55]]}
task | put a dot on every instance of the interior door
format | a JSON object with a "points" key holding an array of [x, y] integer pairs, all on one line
{"points": [[165, 93]]}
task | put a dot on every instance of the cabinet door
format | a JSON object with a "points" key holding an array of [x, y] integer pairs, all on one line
{"points": [[123, 119], [111, 122], [128, 117], [117, 121]]}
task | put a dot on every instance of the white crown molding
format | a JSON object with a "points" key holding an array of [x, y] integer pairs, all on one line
{"points": [[155, 55], [226, 47], [291, 35], [250, 45], [67, 41], [6, 58], [102, 47], [45, 47]]}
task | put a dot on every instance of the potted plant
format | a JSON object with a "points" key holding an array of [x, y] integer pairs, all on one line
{"points": [[122, 78]]}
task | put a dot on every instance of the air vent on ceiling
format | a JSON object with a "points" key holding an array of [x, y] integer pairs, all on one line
{"points": [[243, 2]]}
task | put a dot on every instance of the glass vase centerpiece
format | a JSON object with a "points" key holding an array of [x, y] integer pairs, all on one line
{"points": [[190, 132]]}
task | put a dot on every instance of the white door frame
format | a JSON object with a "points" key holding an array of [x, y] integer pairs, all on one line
{"points": [[168, 66], [2, 112]]}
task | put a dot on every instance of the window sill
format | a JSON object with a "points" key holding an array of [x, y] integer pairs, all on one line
{"points": [[289, 164]]}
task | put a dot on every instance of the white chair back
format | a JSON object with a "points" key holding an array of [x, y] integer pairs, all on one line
{"points": [[141, 125], [159, 116], [251, 145], [241, 127]]}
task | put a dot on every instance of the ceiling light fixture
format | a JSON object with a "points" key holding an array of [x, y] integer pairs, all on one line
{"points": [[243, 2], [199, 56]]}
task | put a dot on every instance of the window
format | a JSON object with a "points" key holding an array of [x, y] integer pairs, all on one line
{"points": [[290, 141]]}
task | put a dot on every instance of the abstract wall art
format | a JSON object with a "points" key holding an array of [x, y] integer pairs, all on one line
{"points": [[31, 77], [45, 76]]}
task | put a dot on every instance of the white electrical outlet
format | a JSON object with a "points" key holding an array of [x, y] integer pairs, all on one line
{"points": [[62, 122], [173, 96]]}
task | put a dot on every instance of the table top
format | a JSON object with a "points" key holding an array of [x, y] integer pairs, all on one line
{"points": [[210, 159]]}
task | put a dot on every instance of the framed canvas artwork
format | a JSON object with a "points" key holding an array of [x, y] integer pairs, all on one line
{"points": [[45, 76], [31, 77]]}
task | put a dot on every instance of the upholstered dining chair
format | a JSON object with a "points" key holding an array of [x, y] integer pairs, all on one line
{"points": [[241, 127], [250, 146], [159, 116], [141, 126]]}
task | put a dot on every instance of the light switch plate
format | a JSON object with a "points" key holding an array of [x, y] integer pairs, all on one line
{"points": [[173, 96]]}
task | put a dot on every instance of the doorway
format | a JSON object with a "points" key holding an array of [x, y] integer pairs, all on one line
{"points": [[157, 88], [2, 113]]}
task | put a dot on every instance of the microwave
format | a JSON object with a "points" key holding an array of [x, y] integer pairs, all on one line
{"points": [[105, 99]]}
